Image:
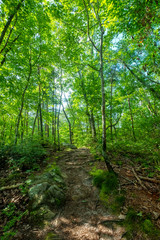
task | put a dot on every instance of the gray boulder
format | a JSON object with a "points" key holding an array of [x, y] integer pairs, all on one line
{"points": [[47, 190]]}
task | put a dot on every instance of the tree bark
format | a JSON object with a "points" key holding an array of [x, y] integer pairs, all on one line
{"points": [[111, 110], [69, 124], [40, 114], [22, 102], [46, 124], [100, 51], [132, 120], [34, 123]]}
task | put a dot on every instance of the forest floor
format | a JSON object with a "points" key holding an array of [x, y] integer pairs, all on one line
{"points": [[84, 216]]}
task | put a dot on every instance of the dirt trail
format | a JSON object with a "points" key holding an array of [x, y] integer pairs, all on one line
{"points": [[83, 217]]}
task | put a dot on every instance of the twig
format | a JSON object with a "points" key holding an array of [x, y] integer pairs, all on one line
{"points": [[138, 179], [152, 180], [11, 187]]}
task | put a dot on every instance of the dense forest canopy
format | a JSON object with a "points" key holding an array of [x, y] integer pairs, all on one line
{"points": [[80, 72]]}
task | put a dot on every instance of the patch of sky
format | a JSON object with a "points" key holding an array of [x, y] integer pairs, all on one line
{"points": [[116, 40]]}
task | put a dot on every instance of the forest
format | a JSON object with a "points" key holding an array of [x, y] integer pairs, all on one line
{"points": [[81, 75]]}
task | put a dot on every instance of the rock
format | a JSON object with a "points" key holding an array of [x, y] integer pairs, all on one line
{"points": [[122, 217], [37, 194], [47, 214], [47, 190]]}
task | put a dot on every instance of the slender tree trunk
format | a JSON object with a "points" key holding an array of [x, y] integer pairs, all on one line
{"points": [[22, 102], [110, 169], [111, 109], [100, 51], [22, 129], [132, 120], [34, 123], [58, 135], [93, 126], [69, 124], [46, 124], [41, 119], [27, 120], [38, 123], [40, 105]]}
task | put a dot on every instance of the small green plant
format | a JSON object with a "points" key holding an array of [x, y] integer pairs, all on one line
{"points": [[136, 222], [13, 217]]}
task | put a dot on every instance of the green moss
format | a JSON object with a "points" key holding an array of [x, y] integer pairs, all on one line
{"points": [[118, 203], [149, 228], [104, 180]]}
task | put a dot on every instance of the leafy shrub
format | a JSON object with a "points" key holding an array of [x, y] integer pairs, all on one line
{"points": [[24, 156]]}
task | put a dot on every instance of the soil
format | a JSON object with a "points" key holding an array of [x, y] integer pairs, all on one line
{"points": [[84, 216]]}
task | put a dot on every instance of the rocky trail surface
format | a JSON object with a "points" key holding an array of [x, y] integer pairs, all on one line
{"points": [[83, 216]]}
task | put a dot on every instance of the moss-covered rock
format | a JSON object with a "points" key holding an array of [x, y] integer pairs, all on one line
{"points": [[46, 190]]}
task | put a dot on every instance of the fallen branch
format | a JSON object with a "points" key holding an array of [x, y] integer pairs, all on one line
{"points": [[11, 187], [138, 179], [152, 180]]}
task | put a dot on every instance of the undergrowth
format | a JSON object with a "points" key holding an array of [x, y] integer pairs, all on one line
{"points": [[14, 216], [23, 156], [108, 184], [135, 223]]}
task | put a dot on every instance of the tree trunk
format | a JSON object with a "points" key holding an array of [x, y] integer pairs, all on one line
{"points": [[22, 102], [69, 124], [111, 109], [46, 123], [41, 120], [100, 51], [34, 123], [22, 129], [132, 121], [93, 126]]}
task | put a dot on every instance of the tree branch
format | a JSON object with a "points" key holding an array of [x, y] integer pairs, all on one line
{"points": [[9, 21], [141, 80], [88, 28]]}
